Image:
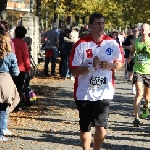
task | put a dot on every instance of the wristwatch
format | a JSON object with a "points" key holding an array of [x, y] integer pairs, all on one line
{"points": [[90, 67]]}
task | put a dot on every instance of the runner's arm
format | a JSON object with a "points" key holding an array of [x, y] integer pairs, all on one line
{"points": [[116, 65], [79, 70], [132, 50]]}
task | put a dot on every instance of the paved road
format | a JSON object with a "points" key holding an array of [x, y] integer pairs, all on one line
{"points": [[55, 126]]}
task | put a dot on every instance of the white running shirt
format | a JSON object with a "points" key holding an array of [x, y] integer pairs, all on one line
{"points": [[98, 84]]}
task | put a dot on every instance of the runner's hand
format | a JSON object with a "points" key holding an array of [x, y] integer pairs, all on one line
{"points": [[104, 64], [96, 62]]}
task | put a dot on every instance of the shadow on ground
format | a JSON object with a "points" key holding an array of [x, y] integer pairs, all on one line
{"points": [[53, 138], [107, 146]]}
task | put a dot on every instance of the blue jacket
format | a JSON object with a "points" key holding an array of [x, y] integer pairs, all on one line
{"points": [[9, 64]]}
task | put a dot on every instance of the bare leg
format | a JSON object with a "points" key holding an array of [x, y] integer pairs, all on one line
{"points": [[138, 96], [130, 75], [99, 136], [125, 67], [146, 95], [85, 139]]}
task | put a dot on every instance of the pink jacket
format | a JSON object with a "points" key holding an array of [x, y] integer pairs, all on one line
{"points": [[22, 54]]}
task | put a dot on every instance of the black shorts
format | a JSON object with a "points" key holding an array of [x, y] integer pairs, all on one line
{"points": [[92, 113], [130, 65], [144, 78]]}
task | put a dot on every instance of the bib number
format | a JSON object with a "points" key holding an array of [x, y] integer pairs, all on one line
{"points": [[98, 82], [142, 58]]}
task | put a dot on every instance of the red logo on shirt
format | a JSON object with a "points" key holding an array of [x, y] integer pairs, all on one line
{"points": [[89, 53]]}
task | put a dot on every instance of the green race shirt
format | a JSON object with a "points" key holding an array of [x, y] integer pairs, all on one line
{"points": [[142, 58]]}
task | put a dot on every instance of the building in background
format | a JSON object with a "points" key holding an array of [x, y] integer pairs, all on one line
{"points": [[19, 5]]}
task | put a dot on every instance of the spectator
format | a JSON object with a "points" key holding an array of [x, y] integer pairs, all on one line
{"points": [[51, 49], [69, 41], [9, 97], [23, 59], [61, 41]]}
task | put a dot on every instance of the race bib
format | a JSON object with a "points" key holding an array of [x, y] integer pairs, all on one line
{"points": [[142, 58], [98, 82]]}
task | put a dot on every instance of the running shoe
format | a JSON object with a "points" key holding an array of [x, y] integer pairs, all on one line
{"points": [[136, 122], [145, 112]]}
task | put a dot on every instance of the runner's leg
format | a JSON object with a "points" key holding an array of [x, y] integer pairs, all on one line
{"points": [[138, 96], [99, 136], [146, 95], [85, 138]]}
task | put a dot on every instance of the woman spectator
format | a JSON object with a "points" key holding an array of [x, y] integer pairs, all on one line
{"points": [[23, 59], [9, 97]]}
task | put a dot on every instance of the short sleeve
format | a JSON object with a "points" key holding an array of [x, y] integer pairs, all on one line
{"points": [[76, 56]]}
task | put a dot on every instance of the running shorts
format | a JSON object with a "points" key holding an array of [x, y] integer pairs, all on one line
{"points": [[144, 78], [130, 65], [92, 113]]}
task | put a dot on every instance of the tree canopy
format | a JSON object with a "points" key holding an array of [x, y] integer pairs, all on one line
{"points": [[117, 12]]}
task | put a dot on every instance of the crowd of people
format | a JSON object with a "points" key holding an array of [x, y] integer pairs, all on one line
{"points": [[14, 64], [91, 58], [59, 43]]}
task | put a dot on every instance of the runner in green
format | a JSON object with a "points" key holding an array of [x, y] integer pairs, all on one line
{"points": [[141, 46]]}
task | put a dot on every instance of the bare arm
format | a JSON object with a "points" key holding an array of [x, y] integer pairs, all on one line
{"points": [[132, 50], [79, 70], [116, 65]]}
